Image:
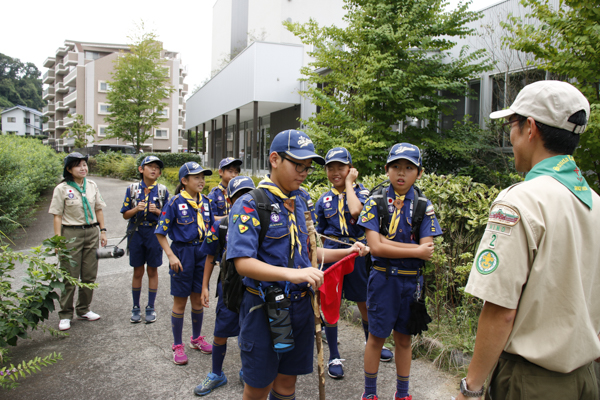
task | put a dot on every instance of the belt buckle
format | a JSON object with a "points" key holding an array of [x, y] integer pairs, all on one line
{"points": [[393, 270], [345, 240]]}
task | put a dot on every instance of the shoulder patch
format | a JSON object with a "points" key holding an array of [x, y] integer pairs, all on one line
{"points": [[503, 214], [429, 210], [248, 210], [487, 261]]}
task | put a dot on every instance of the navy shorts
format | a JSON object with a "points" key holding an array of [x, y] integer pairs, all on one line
{"points": [[183, 283], [260, 362], [227, 322], [355, 283], [388, 303], [144, 248]]}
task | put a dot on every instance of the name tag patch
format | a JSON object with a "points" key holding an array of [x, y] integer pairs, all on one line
{"points": [[498, 228]]}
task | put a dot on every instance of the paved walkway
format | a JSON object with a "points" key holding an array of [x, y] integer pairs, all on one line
{"points": [[114, 359]]}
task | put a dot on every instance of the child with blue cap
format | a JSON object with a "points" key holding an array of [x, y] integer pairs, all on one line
{"points": [[398, 257], [278, 274], [142, 206], [186, 219], [228, 168]]}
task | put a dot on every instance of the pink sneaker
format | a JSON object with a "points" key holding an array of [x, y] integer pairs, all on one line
{"points": [[200, 344], [179, 356]]}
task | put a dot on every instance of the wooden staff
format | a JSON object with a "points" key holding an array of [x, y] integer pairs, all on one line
{"points": [[316, 301]]}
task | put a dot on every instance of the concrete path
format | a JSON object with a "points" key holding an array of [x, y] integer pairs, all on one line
{"points": [[114, 359]]}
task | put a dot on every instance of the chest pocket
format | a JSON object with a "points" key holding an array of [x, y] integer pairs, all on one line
{"points": [[73, 202], [330, 212], [220, 204], [278, 229], [184, 219]]}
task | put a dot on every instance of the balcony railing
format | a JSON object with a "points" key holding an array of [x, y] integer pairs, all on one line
{"points": [[71, 58], [49, 62], [48, 126], [61, 69], [48, 76], [71, 78], [185, 88], [68, 121], [49, 109], [62, 51], [60, 106], [71, 98], [61, 88], [48, 93], [59, 124]]}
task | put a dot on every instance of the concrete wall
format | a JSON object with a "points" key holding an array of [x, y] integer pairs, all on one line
{"points": [[285, 119]]}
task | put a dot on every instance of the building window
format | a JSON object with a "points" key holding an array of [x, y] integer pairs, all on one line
{"points": [[103, 108], [161, 133], [103, 86], [102, 130], [11, 119], [92, 55], [27, 120], [164, 112]]}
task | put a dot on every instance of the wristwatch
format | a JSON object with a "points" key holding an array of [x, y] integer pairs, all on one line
{"points": [[469, 393], [102, 229]]}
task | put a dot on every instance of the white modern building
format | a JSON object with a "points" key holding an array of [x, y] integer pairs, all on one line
{"points": [[77, 82], [22, 121]]}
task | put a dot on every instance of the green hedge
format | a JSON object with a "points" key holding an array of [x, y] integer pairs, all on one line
{"points": [[171, 159], [27, 168], [114, 164]]}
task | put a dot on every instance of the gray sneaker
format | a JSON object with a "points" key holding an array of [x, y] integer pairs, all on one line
{"points": [[211, 382], [150, 315], [136, 315]]}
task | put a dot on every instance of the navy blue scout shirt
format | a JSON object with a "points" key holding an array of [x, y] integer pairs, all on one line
{"points": [[327, 213], [140, 196], [244, 228], [178, 219], [211, 242], [218, 204], [369, 219]]}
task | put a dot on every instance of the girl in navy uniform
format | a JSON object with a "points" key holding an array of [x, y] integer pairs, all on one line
{"points": [[186, 219], [397, 258], [229, 168], [144, 205], [337, 212], [227, 322]]}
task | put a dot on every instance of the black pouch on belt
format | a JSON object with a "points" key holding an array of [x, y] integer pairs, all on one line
{"points": [[419, 318], [277, 308]]}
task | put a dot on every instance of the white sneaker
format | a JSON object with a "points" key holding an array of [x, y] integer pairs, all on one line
{"points": [[90, 316], [64, 325]]}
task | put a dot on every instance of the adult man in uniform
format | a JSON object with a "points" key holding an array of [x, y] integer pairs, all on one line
{"points": [[538, 263]]}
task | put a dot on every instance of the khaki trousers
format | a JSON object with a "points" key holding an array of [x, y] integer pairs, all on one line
{"points": [[518, 379], [86, 268]]}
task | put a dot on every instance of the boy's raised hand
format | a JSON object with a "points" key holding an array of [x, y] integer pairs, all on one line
{"points": [[425, 251], [352, 176]]}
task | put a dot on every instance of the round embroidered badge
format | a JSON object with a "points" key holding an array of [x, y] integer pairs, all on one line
{"points": [[487, 262]]}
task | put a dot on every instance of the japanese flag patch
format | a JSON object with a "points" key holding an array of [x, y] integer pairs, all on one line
{"points": [[183, 206], [327, 199]]}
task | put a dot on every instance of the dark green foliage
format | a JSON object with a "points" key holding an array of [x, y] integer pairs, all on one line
{"points": [[20, 84], [171, 159], [115, 165], [27, 168]]}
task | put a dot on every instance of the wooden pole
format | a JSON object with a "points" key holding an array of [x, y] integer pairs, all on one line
{"points": [[316, 302]]}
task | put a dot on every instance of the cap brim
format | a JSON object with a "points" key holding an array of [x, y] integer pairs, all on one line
{"points": [[305, 155], [240, 188], [199, 171], [236, 161], [401, 157], [338, 160], [501, 114], [160, 163]]}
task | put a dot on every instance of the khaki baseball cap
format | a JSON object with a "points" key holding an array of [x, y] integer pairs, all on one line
{"points": [[551, 103]]}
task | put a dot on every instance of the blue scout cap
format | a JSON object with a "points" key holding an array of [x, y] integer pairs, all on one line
{"points": [[192, 168], [238, 183], [151, 159], [340, 154], [406, 151], [296, 144], [226, 162]]}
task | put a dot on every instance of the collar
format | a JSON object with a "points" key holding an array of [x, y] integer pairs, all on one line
{"points": [[410, 195]]}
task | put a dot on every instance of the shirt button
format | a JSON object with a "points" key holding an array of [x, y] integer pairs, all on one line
{"points": [[399, 230], [401, 212]]}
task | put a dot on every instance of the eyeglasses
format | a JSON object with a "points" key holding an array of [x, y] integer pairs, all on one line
{"points": [[300, 168], [507, 126]]}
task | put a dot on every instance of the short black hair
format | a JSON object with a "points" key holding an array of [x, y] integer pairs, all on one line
{"points": [[72, 164], [153, 162], [280, 154], [557, 140], [239, 194]]}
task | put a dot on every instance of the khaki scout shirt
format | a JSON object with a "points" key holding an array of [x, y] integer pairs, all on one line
{"points": [[540, 254], [67, 202]]}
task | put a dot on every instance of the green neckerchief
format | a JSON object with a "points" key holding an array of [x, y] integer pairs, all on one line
{"points": [[564, 170], [86, 204]]}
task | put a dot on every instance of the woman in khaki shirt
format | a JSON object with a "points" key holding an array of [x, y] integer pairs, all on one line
{"points": [[77, 208]]}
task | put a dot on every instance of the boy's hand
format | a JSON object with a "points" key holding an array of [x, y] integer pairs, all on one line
{"points": [[204, 297], [313, 276], [175, 264], [351, 177], [360, 248], [425, 251], [153, 209], [140, 206]]}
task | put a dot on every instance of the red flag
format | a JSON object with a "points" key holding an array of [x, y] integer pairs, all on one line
{"points": [[331, 290]]}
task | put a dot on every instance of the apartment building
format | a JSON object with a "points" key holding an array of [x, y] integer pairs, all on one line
{"points": [[22, 121], [77, 82]]}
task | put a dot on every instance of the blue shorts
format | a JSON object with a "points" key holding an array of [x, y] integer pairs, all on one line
{"points": [[144, 248], [388, 303], [190, 279], [227, 322], [355, 283], [260, 362]]}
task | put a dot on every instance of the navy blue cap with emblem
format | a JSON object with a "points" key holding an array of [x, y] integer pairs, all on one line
{"points": [[152, 159], [296, 144], [405, 151], [238, 183], [226, 162], [192, 168], [339, 154]]}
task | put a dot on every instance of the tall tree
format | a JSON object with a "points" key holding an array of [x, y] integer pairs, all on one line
{"points": [[20, 84], [138, 90], [79, 131], [566, 42], [391, 63]]}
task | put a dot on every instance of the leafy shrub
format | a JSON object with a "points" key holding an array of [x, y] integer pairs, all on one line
{"points": [[175, 160], [116, 165], [27, 168]]}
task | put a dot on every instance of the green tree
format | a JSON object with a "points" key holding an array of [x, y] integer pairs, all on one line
{"points": [[566, 42], [391, 63], [138, 90], [20, 84], [79, 131]]}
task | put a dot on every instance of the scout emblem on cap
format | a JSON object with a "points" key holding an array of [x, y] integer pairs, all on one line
{"points": [[504, 214], [237, 183], [402, 149], [487, 262], [195, 165], [304, 141], [333, 153]]}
